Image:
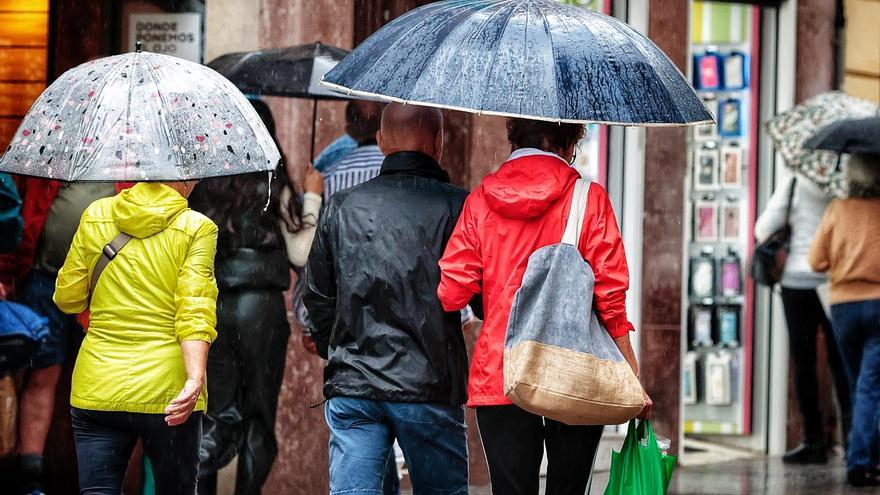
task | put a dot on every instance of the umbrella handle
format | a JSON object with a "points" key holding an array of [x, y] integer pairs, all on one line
{"points": [[314, 125]]}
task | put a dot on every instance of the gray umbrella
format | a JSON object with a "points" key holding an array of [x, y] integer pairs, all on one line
{"points": [[140, 116]]}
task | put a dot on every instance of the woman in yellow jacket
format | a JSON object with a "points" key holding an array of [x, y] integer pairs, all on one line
{"points": [[141, 370]]}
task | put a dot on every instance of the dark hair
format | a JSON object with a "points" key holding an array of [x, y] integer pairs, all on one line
{"points": [[237, 204], [363, 119], [547, 136], [863, 175]]}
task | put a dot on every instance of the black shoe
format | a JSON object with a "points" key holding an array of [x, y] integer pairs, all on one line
{"points": [[806, 453], [861, 477]]}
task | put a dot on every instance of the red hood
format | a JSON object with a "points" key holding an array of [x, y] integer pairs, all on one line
{"points": [[525, 187]]}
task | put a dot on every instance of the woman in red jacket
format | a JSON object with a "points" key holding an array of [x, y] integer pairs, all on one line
{"points": [[515, 211]]}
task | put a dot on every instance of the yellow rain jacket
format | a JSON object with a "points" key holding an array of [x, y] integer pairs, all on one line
{"points": [[157, 292]]}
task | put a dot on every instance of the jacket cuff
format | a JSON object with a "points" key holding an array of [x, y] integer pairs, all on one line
{"points": [[203, 335], [618, 327]]}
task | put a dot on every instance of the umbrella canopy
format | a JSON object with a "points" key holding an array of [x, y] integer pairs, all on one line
{"points": [[140, 116], [538, 59], [848, 136], [295, 71], [791, 129]]}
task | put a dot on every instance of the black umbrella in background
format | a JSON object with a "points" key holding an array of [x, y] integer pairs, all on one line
{"points": [[848, 136], [294, 71]]}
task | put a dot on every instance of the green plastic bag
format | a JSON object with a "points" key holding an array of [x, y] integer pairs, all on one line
{"points": [[640, 468]]}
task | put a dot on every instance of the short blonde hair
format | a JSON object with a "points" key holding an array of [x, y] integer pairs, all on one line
{"points": [[863, 175]]}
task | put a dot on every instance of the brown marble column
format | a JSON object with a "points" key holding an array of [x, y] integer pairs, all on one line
{"points": [[815, 48], [665, 160]]}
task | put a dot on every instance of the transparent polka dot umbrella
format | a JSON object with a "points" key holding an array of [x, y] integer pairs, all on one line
{"points": [[140, 117]]}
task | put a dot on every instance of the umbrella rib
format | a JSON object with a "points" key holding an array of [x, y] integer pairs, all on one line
{"points": [[500, 37], [390, 48], [167, 107], [553, 54], [495, 52], [99, 90]]}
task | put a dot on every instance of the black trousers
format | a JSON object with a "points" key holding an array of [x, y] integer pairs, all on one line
{"points": [[804, 316], [245, 371], [514, 442], [105, 439]]}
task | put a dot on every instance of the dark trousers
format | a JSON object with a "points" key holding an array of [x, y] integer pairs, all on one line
{"points": [[857, 328], [514, 442], [105, 440], [804, 316], [245, 371]]}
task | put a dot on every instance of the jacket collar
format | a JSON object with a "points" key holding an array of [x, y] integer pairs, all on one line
{"points": [[533, 152], [413, 163]]}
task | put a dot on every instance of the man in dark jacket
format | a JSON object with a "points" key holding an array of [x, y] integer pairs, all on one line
{"points": [[397, 362]]}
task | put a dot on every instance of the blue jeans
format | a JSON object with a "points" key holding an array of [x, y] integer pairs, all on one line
{"points": [[37, 295], [857, 330], [433, 438]]}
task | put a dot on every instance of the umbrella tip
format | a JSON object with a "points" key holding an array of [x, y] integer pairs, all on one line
{"points": [[138, 46]]}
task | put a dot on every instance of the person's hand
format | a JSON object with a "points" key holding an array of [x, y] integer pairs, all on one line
{"points": [[648, 410], [4, 292], [309, 345], [313, 181], [182, 406]]}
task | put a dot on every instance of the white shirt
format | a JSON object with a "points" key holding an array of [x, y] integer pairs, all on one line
{"points": [[807, 209]]}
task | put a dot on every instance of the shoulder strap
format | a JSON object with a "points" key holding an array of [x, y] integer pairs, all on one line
{"points": [[109, 252], [790, 200], [572, 233]]}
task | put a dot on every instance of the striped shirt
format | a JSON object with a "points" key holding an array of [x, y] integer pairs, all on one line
{"points": [[361, 165]]}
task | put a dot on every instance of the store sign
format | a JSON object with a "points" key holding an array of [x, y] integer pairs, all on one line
{"points": [[179, 35]]}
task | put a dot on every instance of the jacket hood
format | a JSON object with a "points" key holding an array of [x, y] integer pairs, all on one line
{"points": [[527, 184], [147, 208]]}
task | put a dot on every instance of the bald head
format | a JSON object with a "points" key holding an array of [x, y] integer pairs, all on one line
{"points": [[411, 128]]}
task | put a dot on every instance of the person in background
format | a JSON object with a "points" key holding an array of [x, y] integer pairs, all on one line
{"points": [[51, 211], [140, 373], [845, 246], [246, 363], [11, 224], [397, 361], [514, 212], [334, 151], [362, 163], [804, 314]]}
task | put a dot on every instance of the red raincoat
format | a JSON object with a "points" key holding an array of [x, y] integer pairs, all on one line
{"points": [[515, 211]]}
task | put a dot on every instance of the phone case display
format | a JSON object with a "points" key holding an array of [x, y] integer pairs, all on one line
{"points": [[718, 379], [730, 117], [689, 380], [731, 275], [720, 188], [728, 326], [702, 283]]}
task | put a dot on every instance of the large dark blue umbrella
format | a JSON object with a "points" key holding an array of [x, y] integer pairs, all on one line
{"points": [[539, 59]]}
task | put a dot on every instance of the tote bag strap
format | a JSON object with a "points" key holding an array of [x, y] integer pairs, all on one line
{"points": [[572, 233]]}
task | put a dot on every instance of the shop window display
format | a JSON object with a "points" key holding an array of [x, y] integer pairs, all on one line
{"points": [[719, 193]]}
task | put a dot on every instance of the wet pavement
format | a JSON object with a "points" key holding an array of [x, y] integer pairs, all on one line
{"points": [[748, 476]]}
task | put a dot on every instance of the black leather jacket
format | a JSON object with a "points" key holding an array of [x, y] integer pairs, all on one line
{"points": [[372, 287]]}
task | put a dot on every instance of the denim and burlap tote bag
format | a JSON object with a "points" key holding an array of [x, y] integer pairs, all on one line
{"points": [[559, 361]]}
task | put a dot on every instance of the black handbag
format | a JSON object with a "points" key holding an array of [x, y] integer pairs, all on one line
{"points": [[769, 257]]}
